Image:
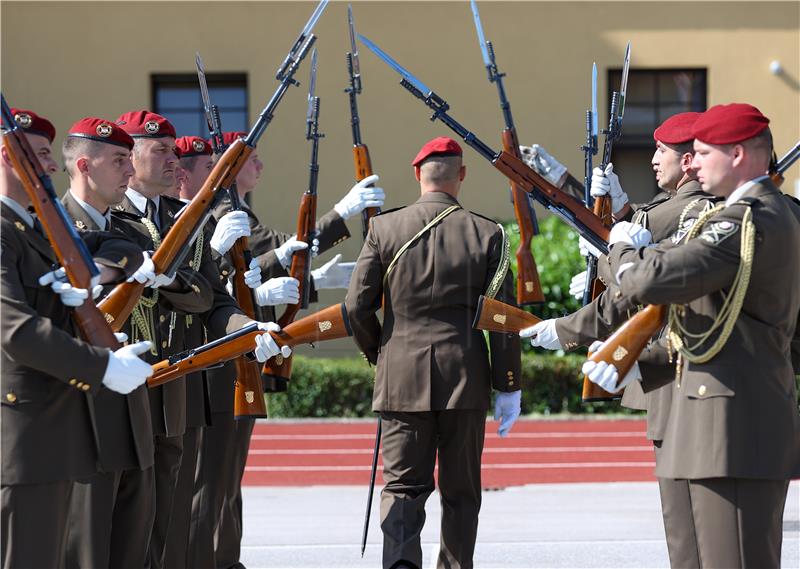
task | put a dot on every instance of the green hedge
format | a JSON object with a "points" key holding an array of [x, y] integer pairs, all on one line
{"points": [[343, 388]]}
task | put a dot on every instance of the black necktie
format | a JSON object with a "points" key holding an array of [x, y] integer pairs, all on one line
{"points": [[150, 212]]}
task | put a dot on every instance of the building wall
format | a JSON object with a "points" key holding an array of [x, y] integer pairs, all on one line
{"points": [[71, 59]]}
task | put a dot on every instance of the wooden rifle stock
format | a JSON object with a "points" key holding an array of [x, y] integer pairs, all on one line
{"points": [[529, 287], [330, 323], [526, 178], [121, 301], [625, 346], [248, 396], [496, 316], [278, 370], [363, 166], [90, 321]]}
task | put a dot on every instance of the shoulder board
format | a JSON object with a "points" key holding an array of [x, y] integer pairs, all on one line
{"points": [[173, 202], [494, 221], [121, 214], [747, 202], [385, 211]]}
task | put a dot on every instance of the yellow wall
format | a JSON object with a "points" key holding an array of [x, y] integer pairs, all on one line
{"points": [[71, 59]]}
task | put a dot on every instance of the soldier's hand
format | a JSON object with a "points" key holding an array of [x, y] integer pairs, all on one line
{"points": [[606, 183], [252, 276], [280, 290], [606, 375], [361, 196], [586, 248], [230, 227], [284, 252], [69, 295], [630, 233], [543, 335], [333, 274], [146, 273], [543, 162], [126, 370], [507, 407], [577, 285], [266, 346]]}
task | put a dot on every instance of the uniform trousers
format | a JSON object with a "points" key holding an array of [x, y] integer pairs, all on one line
{"points": [[411, 443], [34, 524], [230, 529], [167, 464], [111, 517], [215, 465], [175, 554], [676, 509], [739, 521]]}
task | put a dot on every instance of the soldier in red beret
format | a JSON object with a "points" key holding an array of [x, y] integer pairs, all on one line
{"points": [[434, 374], [733, 427], [196, 160], [51, 380]]}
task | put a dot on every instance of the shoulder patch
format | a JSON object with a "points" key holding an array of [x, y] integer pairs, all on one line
{"points": [[684, 228], [718, 231]]}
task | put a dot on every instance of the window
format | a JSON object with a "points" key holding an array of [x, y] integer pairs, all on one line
{"points": [[653, 96], [178, 98]]}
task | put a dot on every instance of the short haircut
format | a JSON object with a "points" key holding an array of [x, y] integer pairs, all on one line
{"points": [[189, 162], [440, 169], [74, 147], [685, 148]]}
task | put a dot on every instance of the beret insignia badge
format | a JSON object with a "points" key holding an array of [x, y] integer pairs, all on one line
{"points": [[104, 130], [198, 145], [23, 119], [151, 127]]}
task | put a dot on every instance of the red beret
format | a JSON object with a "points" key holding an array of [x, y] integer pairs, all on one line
{"points": [[192, 146], [144, 124], [728, 124], [32, 123], [440, 146], [101, 130], [229, 138], [677, 129]]}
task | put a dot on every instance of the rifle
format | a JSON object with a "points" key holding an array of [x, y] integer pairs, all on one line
{"points": [[361, 159], [248, 380], [190, 220], [330, 323], [496, 316], [784, 164], [625, 345], [69, 248], [567, 207], [279, 369], [529, 287]]}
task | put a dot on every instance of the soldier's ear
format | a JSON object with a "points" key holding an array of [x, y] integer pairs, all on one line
{"points": [[686, 161], [462, 173], [82, 165], [416, 173]]}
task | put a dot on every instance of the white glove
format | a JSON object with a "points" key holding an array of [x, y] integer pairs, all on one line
{"points": [[506, 410], [280, 290], [266, 346], [252, 277], [586, 248], [578, 285], [607, 183], [333, 274], [230, 227], [631, 233], [543, 162], [360, 197], [121, 337], [146, 274], [284, 252], [543, 335], [125, 370], [605, 375], [69, 295]]}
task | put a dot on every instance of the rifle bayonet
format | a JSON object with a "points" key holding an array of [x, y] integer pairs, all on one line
{"points": [[300, 45], [623, 85], [356, 66], [212, 114], [488, 60], [595, 130]]}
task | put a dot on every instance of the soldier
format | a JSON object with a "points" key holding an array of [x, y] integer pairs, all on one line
{"points": [[427, 264], [217, 501], [681, 201], [48, 432], [733, 295], [112, 512]]}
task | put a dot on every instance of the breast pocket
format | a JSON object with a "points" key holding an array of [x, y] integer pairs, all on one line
{"points": [[708, 384]]}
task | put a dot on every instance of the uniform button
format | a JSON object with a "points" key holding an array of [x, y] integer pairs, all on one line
{"points": [[162, 318], [510, 383], [73, 381], [11, 398], [79, 384], [618, 294], [224, 273], [510, 373], [163, 343], [86, 387], [196, 289], [701, 390]]}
